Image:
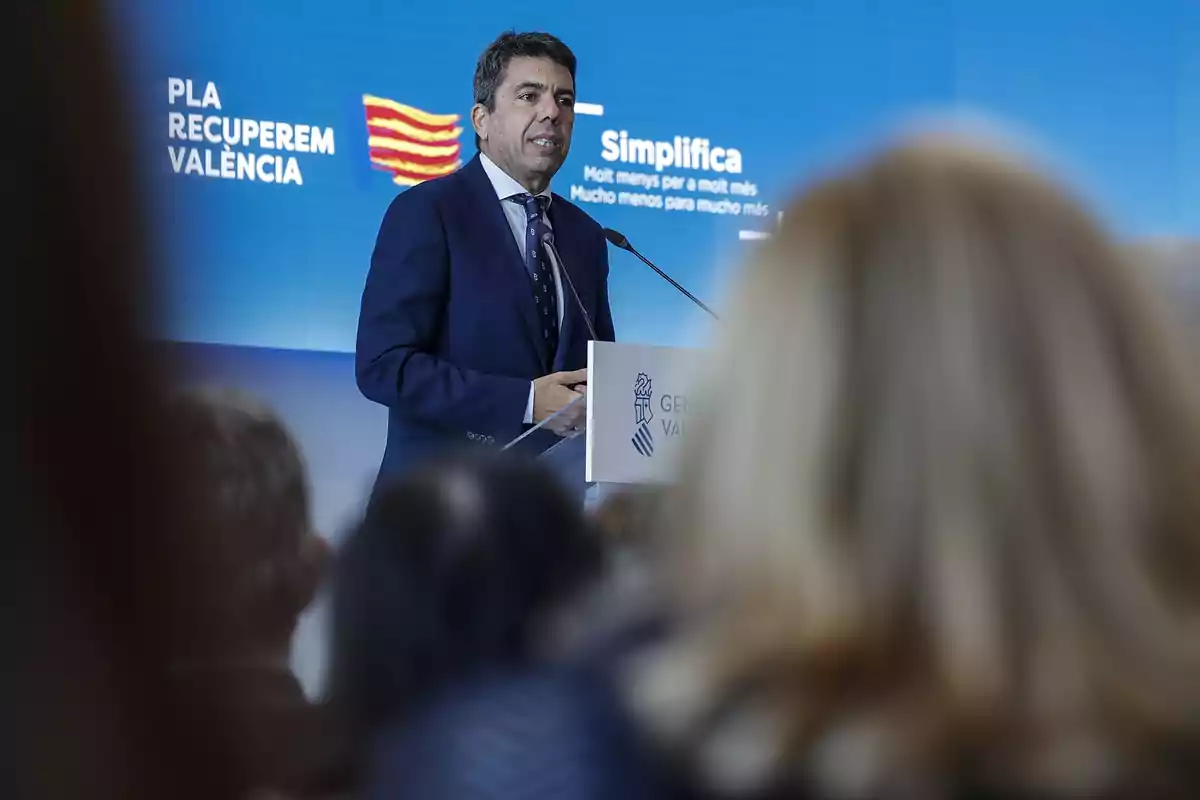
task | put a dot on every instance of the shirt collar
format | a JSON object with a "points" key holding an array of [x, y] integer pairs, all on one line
{"points": [[505, 185]]}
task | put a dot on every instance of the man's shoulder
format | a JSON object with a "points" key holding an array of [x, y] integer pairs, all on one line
{"points": [[430, 192], [576, 215]]}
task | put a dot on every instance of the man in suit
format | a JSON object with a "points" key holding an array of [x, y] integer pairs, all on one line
{"points": [[469, 331]]}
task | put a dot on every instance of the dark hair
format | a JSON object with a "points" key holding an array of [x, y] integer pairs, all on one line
{"points": [[252, 479], [452, 569], [489, 70]]}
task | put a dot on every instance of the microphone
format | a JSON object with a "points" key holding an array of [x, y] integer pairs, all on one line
{"points": [[548, 241], [617, 239]]}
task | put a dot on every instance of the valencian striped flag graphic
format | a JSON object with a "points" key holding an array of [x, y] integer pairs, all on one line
{"points": [[413, 145]]}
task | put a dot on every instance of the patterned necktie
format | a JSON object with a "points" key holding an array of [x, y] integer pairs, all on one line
{"points": [[536, 262]]}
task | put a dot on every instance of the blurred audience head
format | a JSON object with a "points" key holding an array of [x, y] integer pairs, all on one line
{"points": [[251, 477], [459, 566], [938, 528]]}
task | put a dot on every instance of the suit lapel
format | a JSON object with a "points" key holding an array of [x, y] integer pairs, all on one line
{"points": [[494, 228], [567, 242]]}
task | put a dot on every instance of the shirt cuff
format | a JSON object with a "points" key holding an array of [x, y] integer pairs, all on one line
{"points": [[529, 406]]}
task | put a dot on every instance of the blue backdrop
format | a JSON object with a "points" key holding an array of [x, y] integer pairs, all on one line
{"points": [[264, 277], [1110, 86]]}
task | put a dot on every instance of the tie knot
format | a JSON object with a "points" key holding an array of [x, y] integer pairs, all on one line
{"points": [[535, 205]]}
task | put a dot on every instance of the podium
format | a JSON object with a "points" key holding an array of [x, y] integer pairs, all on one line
{"points": [[637, 409]]}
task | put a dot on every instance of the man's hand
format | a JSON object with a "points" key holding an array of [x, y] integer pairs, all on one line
{"points": [[552, 392]]}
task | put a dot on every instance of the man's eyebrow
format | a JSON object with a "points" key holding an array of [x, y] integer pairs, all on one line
{"points": [[541, 87]]}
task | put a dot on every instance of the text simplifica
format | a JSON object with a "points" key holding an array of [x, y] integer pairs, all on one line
{"points": [[226, 133], [683, 152]]}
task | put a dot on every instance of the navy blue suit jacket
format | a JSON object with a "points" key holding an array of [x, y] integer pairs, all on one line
{"points": [[448, 332]]}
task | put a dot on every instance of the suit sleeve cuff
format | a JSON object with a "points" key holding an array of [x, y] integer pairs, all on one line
{"points": [[529, 406]]}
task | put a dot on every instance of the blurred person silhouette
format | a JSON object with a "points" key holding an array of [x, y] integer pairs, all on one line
{"points": [[251, 477], [446, 604], [936, 536], [105, 556]]}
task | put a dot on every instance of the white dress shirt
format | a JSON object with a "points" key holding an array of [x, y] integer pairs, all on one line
{"points": [[507, 187]]}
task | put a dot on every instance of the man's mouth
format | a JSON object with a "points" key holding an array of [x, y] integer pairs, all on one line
{"points": [[547, 142]]}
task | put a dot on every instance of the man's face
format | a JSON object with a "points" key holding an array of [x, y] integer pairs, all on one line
{"points": [[528, 133]]}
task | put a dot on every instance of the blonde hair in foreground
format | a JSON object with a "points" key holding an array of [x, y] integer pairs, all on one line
{"points": [[940, 528]]}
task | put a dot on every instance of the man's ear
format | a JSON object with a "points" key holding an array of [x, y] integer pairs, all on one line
{"points": [[479, 120]]}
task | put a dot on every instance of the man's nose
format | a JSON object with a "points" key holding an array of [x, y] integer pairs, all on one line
{"points": [[549, 109]]}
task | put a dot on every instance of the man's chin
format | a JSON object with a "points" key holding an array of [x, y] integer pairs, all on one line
{"points": [[547, 164]]}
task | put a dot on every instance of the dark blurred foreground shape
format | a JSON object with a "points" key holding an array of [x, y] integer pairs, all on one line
{"points": [[457, 569], [466, 603], [105, 563]]}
